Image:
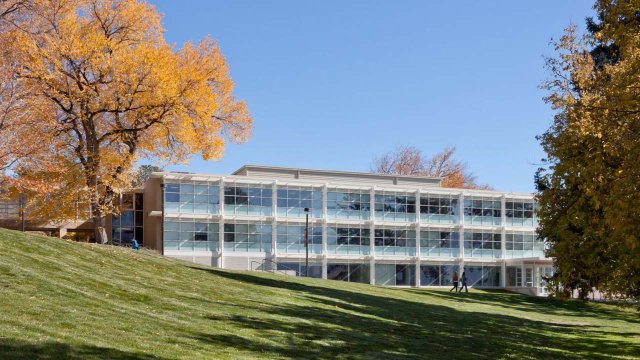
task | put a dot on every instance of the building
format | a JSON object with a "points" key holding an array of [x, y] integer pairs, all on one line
{"points": [[369, 228]]}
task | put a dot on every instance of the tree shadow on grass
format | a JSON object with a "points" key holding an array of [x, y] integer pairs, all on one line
{"points": [[16, 349], [540, 305], [347, 324]]}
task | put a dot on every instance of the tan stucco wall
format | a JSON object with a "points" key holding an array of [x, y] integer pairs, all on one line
{"points": [[153, 224]]}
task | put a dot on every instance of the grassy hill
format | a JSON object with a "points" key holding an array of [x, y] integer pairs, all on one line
{"points": [[60, 299]]}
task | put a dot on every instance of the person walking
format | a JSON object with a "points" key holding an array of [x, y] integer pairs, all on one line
{"points": [[463, 279], [454, 279]]}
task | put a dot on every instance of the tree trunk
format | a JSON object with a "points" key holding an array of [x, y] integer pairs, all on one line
{"points": [[96, 211]]}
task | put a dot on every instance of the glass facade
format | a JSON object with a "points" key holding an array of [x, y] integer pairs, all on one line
{"points": [[393, 206], [440, 243], [437, 274], [292, 201], [345, 240], [191, 235], [128, 224], [247, 200], [395, 274], [290, 239], [482, 244], [9, 209], [523, 245], [352, 272], [299, 269], [395, 241], [192, 197], [353, 224], [247, 236], [439, 209], [514, 276], [485, 276], [521, 213], [482, 211], [348, 205]]}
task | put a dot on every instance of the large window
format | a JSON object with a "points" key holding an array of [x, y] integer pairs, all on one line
{"points": [[192, 197], [348, 205], [345, 239], [9, 209], [190, 235], [482, 211], [514, 276], [292, 201], [242, 236], [440, 243], [395, 274], [482, 276], [395, 241], [299, 269], [437, 275], [128, 225], [291, 239], [520, 213], [439, 209], [352, 272], [523, 245], [247, 200], [482, 244], [392, 206]]}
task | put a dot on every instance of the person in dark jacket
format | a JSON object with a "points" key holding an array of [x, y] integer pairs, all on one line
{"points": [[463, 279]]}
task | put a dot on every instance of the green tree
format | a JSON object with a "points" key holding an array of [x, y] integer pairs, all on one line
{"points": [[589, 187]]}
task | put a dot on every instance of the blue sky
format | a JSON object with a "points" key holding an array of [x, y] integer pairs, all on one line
{"points": [[332, 84]]}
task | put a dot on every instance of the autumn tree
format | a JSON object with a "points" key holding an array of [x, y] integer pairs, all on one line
{"points": [[409, 160], [104, 89], [142, 173], [12, 108], [589, 188]]}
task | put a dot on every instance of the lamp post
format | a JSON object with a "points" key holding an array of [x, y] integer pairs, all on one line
{"points": [[306, 242], [21, 200]]}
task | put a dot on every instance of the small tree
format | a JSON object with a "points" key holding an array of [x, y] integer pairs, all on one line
{"points": [[103, 89], [409, 160]]}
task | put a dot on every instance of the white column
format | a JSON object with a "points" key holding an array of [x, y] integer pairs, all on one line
{"points": [[503, 243], [372, 248], [221, 224], [523, 275], [372, 227], [372, 271], [274, 220], [417, 229], [325, 237], [324, 222], [417, 224], [324, 267], [461, 229], [417, 272]]}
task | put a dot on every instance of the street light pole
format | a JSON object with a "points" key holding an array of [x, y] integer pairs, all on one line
{"points": [[22, 201], [306, 242]]}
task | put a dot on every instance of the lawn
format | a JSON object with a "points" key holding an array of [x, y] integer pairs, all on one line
{"points": [[60, 299]]}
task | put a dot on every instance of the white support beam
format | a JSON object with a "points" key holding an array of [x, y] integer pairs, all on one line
{"points": [[274, 219], [221, 224]]}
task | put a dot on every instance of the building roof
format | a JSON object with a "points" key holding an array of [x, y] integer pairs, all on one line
{"points": [[315, 174]]}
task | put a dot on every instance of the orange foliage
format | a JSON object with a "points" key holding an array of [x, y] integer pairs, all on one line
{"points": [[98, 89]]}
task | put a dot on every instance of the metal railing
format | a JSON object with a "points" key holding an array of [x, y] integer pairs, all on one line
{"points": [[274, 267]]}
